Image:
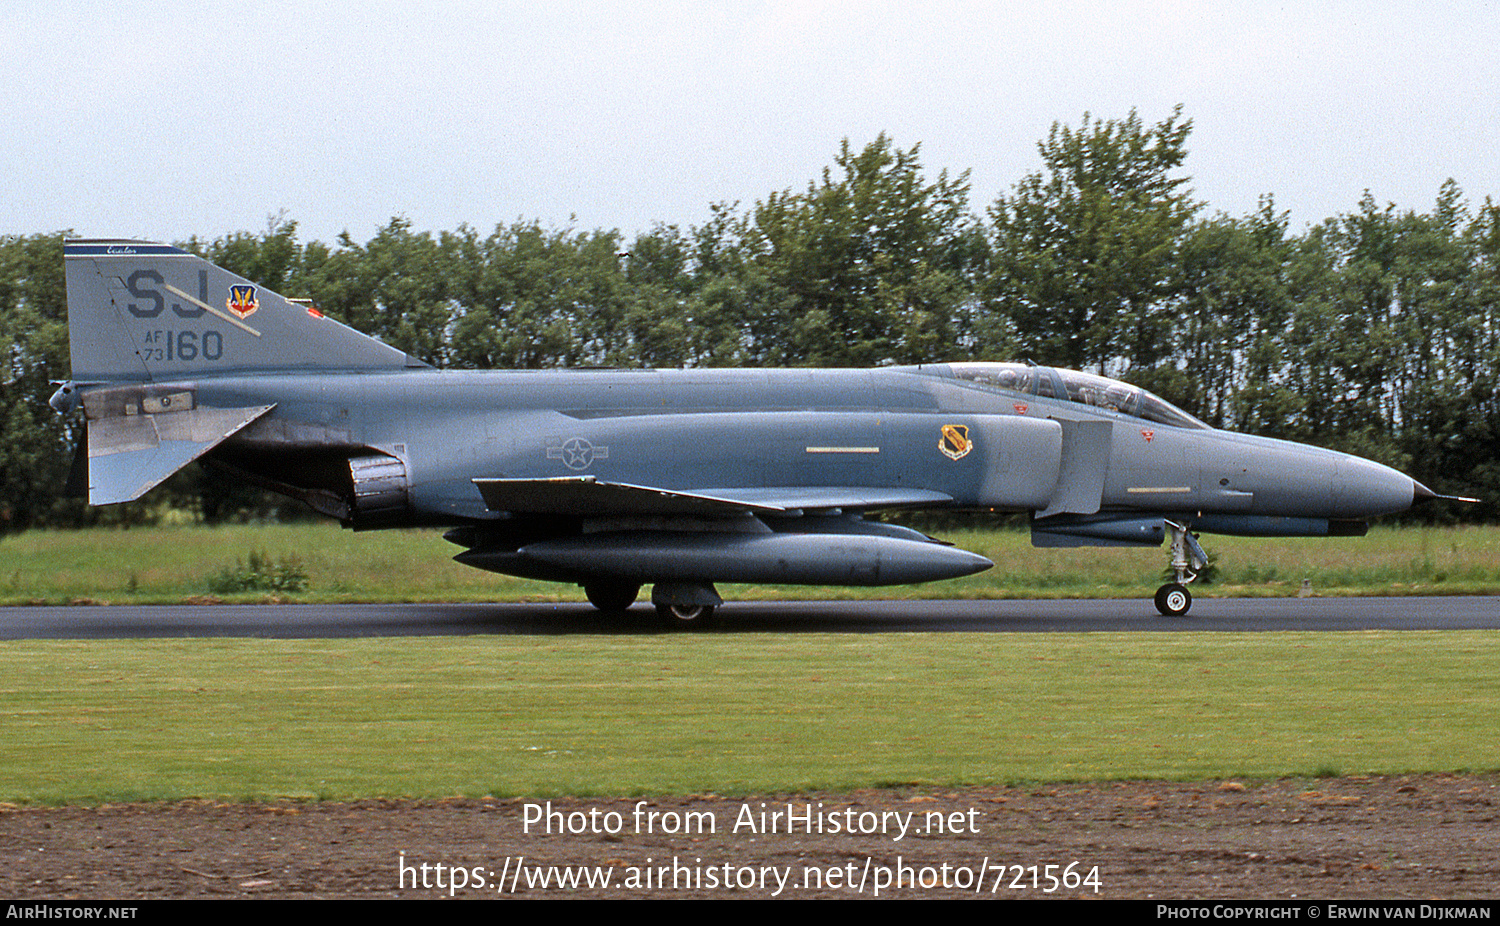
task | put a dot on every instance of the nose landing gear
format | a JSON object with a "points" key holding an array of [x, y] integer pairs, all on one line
{"points": [[1173, 599]]}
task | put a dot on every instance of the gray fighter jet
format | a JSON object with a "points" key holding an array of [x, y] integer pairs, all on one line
{"points": [[676, 478]]}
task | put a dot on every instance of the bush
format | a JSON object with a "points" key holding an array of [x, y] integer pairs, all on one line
{"points": [[260, 575]]}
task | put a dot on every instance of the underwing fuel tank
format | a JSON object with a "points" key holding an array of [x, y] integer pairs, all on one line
{"points": [[790, 559]]}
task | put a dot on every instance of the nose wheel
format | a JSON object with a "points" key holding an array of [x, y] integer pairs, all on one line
{"points": [[1173, 599]]}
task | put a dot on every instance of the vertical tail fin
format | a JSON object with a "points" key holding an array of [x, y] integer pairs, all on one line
{"points": [[144, 312]]}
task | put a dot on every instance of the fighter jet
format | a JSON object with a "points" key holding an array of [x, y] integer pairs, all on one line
{"points": [[680, 479]]}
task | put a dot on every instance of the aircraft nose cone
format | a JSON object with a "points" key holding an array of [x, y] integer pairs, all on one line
{"points": [[1363, 489]]}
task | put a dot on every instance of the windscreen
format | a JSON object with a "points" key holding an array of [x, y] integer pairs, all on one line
{"points": [[1083, 388]]}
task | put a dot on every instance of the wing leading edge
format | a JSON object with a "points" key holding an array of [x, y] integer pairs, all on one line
{"points": [[586, 496]]}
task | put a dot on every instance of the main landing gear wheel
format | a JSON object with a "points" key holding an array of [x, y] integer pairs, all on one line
{"points": [[1173, 600], [611, 596], [686, 616], [685, 605]]}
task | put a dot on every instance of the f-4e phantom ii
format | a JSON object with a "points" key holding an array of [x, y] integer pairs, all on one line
{"points": [[675, 478]]}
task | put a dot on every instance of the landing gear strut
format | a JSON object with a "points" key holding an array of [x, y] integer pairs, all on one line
{"points": [[1173, 599]]}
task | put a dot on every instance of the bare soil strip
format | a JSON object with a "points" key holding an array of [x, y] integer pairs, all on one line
{"points": [[1423, 836]]}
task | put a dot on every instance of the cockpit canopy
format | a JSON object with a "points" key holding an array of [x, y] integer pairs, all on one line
{"points": [[1083, 388]]}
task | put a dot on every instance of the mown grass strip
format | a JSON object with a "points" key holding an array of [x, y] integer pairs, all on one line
{"points": [[171, 564], [233, 719]]}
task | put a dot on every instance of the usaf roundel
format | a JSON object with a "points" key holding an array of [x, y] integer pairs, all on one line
{"points": [[576, 453], [955, 443]]}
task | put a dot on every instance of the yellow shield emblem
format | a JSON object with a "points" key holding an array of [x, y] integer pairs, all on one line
{"points": [[955, 442]]}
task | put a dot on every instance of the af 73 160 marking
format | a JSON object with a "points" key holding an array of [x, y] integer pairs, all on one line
{"points": [[185, 346]]}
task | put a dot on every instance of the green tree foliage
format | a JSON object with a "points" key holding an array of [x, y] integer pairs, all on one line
{"points": [[1232, 321], [272, 259], [870, 265], [35, 443], [1086, 251], [664, 323], [1376, 331], [1443, 412], [528, 298], [395, 287]]}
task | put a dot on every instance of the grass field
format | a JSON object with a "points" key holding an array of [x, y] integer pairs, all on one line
{"points": [[122, 720], [169, 564], [233, 719]]}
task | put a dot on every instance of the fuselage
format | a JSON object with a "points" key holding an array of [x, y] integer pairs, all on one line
{"points": [[899, 428]]}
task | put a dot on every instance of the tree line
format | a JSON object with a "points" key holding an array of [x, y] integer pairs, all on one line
{"points": [[1376, 331]]}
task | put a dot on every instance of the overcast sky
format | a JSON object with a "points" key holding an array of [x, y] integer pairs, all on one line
{"points": [[165, 119]]}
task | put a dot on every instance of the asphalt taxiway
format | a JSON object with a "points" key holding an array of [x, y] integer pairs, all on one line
{"points": [[293, 621]]}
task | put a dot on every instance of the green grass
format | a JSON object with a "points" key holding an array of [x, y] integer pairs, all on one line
{"points": [[169, 564], [235, 719]]}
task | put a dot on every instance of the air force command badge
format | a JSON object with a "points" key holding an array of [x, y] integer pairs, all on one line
{"points": [[955, 443], [242, 301]]}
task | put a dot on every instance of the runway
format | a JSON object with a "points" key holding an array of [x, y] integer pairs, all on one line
{"points": [[1232, 615]]}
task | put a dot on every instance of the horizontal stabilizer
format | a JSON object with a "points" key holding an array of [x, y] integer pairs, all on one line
{"points": [[131, 454], [585, 496]]}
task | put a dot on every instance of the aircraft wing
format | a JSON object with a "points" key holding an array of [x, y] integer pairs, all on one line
{"points": [[826, 497], [588, 497]]}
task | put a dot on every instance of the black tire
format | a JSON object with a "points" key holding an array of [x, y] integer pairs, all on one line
{"points": [[1173, 600], [686, 616], [611, 596]]}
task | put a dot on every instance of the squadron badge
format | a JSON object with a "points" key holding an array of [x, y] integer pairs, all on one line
{"points": [[242, 301], [955, 443]]}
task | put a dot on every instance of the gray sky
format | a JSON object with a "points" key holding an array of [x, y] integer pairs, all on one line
{"points": [[166, 119]]}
